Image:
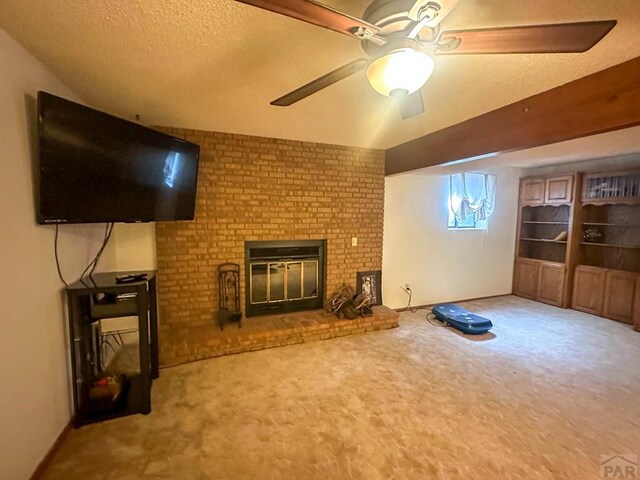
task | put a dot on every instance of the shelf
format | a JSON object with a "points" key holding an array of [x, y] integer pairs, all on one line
{"points": [[546, 223], [131, 400], [98, 346], [546, 215], [543, 240], [542, 260], [538, 205], [586, 266], [115, 309], [609, 245], [594, 202], [610, 225]]}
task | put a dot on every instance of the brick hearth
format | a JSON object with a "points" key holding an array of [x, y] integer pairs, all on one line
{"points": [[270, 331]]}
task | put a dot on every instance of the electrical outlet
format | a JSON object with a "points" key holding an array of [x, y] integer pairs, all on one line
{"points": [[406, 285], [354, 241]]}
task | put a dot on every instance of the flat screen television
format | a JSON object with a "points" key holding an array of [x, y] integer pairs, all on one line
{"points": [[95, 168]]}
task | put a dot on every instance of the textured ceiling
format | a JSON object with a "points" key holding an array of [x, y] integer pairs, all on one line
{"points": [[216, 64]]}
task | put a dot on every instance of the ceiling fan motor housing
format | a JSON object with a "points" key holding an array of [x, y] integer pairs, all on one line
{"points": [[425, 9], [393, 17]]}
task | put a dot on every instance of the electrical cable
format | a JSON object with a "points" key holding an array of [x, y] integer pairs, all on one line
{"points": [[94, 263], [439, 323], [99, 255], [84, 272], [408, 291], [430, 313], [55, 251]]}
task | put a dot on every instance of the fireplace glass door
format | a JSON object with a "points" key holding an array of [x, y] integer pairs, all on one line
{"points": [[273, 282], [284, 276]]}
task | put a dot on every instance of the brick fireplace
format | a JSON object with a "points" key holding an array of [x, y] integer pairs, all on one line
{"points": [[262, 189]]}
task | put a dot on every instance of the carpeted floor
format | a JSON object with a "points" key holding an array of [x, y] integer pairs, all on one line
{"points": [[541, 397]]}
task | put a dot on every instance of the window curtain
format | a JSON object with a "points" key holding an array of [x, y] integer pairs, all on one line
{"points": [[472, 194]]}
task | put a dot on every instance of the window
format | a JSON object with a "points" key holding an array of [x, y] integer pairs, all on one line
{"points": [[469, 222], [471, 200]]}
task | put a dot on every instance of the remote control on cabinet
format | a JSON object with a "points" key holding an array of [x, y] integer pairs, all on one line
{"points": [[130, 278]]}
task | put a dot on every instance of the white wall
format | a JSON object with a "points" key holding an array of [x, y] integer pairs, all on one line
{"points": [[34, 398], [442, 265], [135, 245]]}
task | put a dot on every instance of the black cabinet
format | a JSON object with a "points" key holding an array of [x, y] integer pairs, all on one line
{"points": [[113, 359]]}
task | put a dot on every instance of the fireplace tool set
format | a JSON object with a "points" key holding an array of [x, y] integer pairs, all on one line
{"points": [[229, 295]]}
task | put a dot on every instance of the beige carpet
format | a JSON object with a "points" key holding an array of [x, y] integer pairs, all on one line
{"points": [[542, 397]]}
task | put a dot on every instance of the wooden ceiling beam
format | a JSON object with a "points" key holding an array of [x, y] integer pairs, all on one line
{"points": [[601, 102]]}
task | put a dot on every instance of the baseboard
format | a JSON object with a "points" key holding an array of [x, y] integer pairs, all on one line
{"points": [[420, 307], [37, 473]]}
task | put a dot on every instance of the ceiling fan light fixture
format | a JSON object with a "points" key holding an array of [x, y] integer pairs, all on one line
{"points": [[402, 70], [398, 93]]}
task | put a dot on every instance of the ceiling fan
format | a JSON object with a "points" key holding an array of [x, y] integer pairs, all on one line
{"points": [[400, 38]]}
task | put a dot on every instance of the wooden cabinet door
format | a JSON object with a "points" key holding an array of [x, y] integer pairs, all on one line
{"points": [[551, 279], [525, 283], [532, 191], [619, 293], [559, 189], [588, 289]]}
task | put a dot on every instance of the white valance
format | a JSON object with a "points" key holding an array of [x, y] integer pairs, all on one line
{"points": [[472, 194]]}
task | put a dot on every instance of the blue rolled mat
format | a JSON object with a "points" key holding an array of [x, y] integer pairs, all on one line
{"points": [[461, 319]]}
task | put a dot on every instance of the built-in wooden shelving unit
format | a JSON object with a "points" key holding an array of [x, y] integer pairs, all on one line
{"points": [[596, 268], [607, 277], [544, 228]]}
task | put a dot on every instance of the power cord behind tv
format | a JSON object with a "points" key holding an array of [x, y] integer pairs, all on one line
{"points": [[94, 262], [55, 251], [108, 228]]}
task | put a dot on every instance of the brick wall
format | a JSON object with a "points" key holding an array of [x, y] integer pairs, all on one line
{"points": [[253, 188]]}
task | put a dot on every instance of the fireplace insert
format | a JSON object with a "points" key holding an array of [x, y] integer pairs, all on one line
{"points": [[284, 276]]}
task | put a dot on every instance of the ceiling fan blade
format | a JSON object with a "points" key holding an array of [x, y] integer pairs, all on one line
{"points": [[411, 105], [318, 14], [553, 38], [320, 83]]}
